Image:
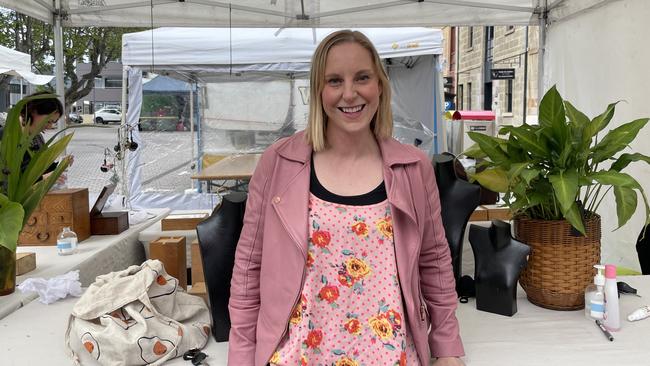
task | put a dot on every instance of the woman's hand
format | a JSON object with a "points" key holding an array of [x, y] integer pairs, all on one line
{"points": [[448, 361]]}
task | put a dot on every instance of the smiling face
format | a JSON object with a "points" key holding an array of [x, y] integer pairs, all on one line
{"points": [[351, 90]]}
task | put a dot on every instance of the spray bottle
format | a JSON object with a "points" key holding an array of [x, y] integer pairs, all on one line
{"points": [[612, 316], [595, 296]]}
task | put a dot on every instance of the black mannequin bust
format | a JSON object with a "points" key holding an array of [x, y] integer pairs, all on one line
{"points": [[458, 199], [499, 260]]}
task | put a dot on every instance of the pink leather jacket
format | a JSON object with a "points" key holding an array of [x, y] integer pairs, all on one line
{"points": [[272, 251]]}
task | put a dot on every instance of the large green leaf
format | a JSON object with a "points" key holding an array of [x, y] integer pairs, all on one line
{"points": [[598, 123], [574, 217], [565, 186], [491, 146], [614, 178], [617, 139], [625, 159], [626, 202], [552, 117], [475, 152], [11, 222], [39, 163], [494, 179], [528, 140]]}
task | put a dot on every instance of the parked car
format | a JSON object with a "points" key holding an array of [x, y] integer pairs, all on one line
{"points": [[74, 117], [106, 115]]}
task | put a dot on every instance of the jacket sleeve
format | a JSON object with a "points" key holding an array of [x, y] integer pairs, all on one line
{"points": [[436, 274], [244, 303]]}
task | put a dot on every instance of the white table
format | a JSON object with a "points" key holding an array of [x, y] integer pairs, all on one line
{"points": [[99, 254], [532, 337]]}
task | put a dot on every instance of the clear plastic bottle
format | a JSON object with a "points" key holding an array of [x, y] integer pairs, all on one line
{"points": [[66, 243], [595, 295], [612, 315]]}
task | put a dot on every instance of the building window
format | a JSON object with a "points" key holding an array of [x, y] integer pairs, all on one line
{"points": [[469, 96], [470, 37], [99, 83], [509, 96], [15, 89], [113, 83], [459, 98]]}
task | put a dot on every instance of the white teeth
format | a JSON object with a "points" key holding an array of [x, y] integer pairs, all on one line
{"points": [[352, 109]]}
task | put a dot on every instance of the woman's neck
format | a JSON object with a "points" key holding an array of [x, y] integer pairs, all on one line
{"points": [[351, 146]]}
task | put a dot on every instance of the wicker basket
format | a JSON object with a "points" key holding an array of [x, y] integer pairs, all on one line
{"points": [[560, 264]]}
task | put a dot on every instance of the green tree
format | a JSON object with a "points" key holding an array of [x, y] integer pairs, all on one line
{"points": [[95, 45]]}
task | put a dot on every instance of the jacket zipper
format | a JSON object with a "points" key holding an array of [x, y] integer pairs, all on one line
{"points": [[423, 305]]}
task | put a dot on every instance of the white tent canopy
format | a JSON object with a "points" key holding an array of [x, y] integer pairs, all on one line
{"points": [[175, 47], [280, 13], [19, 64]]}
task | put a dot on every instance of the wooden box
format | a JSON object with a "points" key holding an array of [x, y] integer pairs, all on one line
{"points": [[25, 262], [182, 221], [479, 214], [172, 253], [109, 223], [197, 263], [498, 213], [58, 209], [198, 289]]}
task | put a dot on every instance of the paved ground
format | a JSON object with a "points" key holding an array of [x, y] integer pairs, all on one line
{"points": [[165, 159]]}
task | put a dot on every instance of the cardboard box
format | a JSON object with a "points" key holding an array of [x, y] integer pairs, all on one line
{"points": [[109, 223], [197, 263], [172, 253], [25, 262], [58, 209], [182, 221]]}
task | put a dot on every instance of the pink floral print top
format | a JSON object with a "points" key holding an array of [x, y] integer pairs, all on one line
{"points": [[350, 310]]}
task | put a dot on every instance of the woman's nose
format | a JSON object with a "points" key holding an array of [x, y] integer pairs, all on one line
{"points": [[349, 91]]}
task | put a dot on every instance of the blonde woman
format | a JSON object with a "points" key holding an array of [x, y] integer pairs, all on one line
{"points": [[343, 258]]}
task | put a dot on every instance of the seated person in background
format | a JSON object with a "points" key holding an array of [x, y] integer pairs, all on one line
{"points": [[31, 116]]}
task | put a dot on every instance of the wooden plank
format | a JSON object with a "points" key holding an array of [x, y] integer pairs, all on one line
{"points": [[25, 262], [186, 221], [239, 166], [197, 263]]}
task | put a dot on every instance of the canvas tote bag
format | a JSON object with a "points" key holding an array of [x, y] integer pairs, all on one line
{"points": [[138, 316]]}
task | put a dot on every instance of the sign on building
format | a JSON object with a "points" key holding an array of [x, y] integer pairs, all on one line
{"points": [[502, 74]]}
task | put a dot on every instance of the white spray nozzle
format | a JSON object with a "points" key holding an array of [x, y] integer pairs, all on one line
{"points": [[599, 278]]}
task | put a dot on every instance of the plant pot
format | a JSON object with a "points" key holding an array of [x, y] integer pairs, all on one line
{"points": [[560, 264], [7, 271]]}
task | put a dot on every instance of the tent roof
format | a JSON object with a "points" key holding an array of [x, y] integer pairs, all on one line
{"points": [[19, 64], [281, 13], [474, 115], [251, 46]]}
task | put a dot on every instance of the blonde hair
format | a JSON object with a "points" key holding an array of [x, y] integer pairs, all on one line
{"points": [[382, 122]]}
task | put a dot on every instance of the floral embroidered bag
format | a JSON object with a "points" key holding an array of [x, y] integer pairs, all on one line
{"points": [[138, 316]]}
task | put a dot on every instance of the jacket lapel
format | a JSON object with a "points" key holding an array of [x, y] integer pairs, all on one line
{"points": [[291, 194]]}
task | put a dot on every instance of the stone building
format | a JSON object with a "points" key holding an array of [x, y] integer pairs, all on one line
{"points": [[479, 67]]}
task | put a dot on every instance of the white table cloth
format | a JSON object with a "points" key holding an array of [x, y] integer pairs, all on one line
{"points": [[532, 337]]}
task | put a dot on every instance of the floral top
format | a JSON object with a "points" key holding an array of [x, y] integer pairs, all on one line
{"points": [[350, 310]]}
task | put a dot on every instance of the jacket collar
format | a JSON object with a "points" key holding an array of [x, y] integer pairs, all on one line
{"points": [[392, 152]]}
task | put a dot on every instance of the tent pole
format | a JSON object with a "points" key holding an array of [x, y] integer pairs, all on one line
{"points": [[124, 137], [543, 16], [192, 127], [58, 56]]}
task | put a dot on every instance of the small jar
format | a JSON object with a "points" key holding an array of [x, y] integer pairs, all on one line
{"points": [[66, 243]]}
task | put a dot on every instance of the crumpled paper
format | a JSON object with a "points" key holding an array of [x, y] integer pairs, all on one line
{"points": [[55, 288]]}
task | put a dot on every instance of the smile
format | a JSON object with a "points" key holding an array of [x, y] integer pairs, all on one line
{"points": [[352, 109]]}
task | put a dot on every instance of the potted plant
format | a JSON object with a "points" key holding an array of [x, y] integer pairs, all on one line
{"points": [[554, 176], [22, 191]]}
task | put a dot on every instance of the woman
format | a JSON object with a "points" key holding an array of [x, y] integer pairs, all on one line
{"points": [[343, 258]]}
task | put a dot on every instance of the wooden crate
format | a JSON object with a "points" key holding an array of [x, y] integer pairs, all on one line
{"points": [[25, 262], [197, 263], [172, 253], [58, 209], [182, 221], [199, 289]]}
